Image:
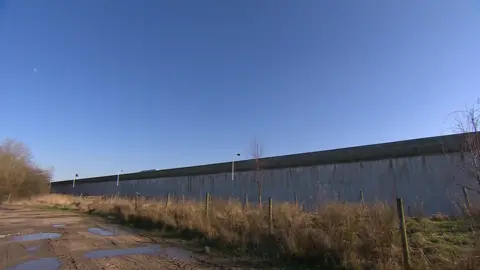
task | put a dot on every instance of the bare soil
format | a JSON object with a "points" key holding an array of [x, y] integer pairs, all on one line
{"points": [[75, 244]]}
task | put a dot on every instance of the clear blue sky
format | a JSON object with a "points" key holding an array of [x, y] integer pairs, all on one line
{"points": [[93, 87]]}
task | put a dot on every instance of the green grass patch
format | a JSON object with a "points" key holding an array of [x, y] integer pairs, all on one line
{"points": [[442, 241]]}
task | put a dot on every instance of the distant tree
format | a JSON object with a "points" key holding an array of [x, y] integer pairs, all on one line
{"points": [[19, 176], [256, 152]]}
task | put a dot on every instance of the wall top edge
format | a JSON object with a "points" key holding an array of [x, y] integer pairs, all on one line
{"points": [[398, 149]]}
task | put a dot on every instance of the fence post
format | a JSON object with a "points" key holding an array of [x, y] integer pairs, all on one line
{"points": [[207, 200], [167, 203], [361, 197], [295, 199], [467, 199], [270, 215], [136, 199], [403, 232], [245, 205]]}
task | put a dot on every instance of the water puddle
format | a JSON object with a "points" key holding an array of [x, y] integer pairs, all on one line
{"points": [[120, 252], [58, 225], [32, 249], [178, 253], [35, 236], [100, 231], [44, 264], [169, 252]]}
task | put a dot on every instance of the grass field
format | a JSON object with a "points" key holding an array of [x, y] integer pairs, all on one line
{"points": [[338, 236]]}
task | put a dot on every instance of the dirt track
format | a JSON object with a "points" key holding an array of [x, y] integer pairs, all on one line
{"points": [[75, 247]]}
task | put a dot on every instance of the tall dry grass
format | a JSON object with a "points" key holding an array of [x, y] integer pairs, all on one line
{"points": [[19, 175], [342, 236]]}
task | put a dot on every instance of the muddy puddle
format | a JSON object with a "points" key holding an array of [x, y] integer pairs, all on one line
{"points": [[100, 231], [32, 249], [169, 252], [121, 252], [43, 264], [177, 253], [35, 236]]}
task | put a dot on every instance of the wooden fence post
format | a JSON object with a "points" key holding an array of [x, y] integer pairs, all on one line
{"points": [[245, 204], [270, 215], [403, 232], [361, 197], [295, 199], [167, 203], [136, 199], [207, 200], [467, 199]]}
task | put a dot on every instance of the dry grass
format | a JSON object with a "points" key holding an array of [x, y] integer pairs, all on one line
{"points": [[338, 236]]}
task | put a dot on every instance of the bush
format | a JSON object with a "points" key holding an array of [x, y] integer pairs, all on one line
{"points": [[19, 176]]}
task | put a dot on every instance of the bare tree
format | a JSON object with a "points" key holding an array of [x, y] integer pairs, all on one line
{"points": [[467, 122], [16, 150], [19, 176], [256, 152]]}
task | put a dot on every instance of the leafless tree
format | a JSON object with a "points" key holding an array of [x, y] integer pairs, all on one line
{"points": [[16, 150], [467, 122], [19, 176], [256, 152]]}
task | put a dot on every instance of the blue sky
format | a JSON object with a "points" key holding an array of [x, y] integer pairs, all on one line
{"points": [[93, 87]]}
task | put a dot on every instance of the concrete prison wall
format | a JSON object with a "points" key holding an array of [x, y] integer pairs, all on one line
{"points": [[428, 174]]}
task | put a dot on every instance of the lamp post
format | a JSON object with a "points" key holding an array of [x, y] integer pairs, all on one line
{"points": [[233, 171], [118, 177], [74, 179]]}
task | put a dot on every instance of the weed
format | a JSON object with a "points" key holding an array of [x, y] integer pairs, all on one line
{"points": [[347, 236]]}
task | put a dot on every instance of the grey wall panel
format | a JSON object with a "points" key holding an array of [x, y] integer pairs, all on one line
{"points": [[427, 184], [401, 149]]}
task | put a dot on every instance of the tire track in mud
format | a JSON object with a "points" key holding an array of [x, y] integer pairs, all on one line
{"points": [[139, 262], [74, 259], [197, 262], [142, 261], [75, 241], [66, 257]]}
